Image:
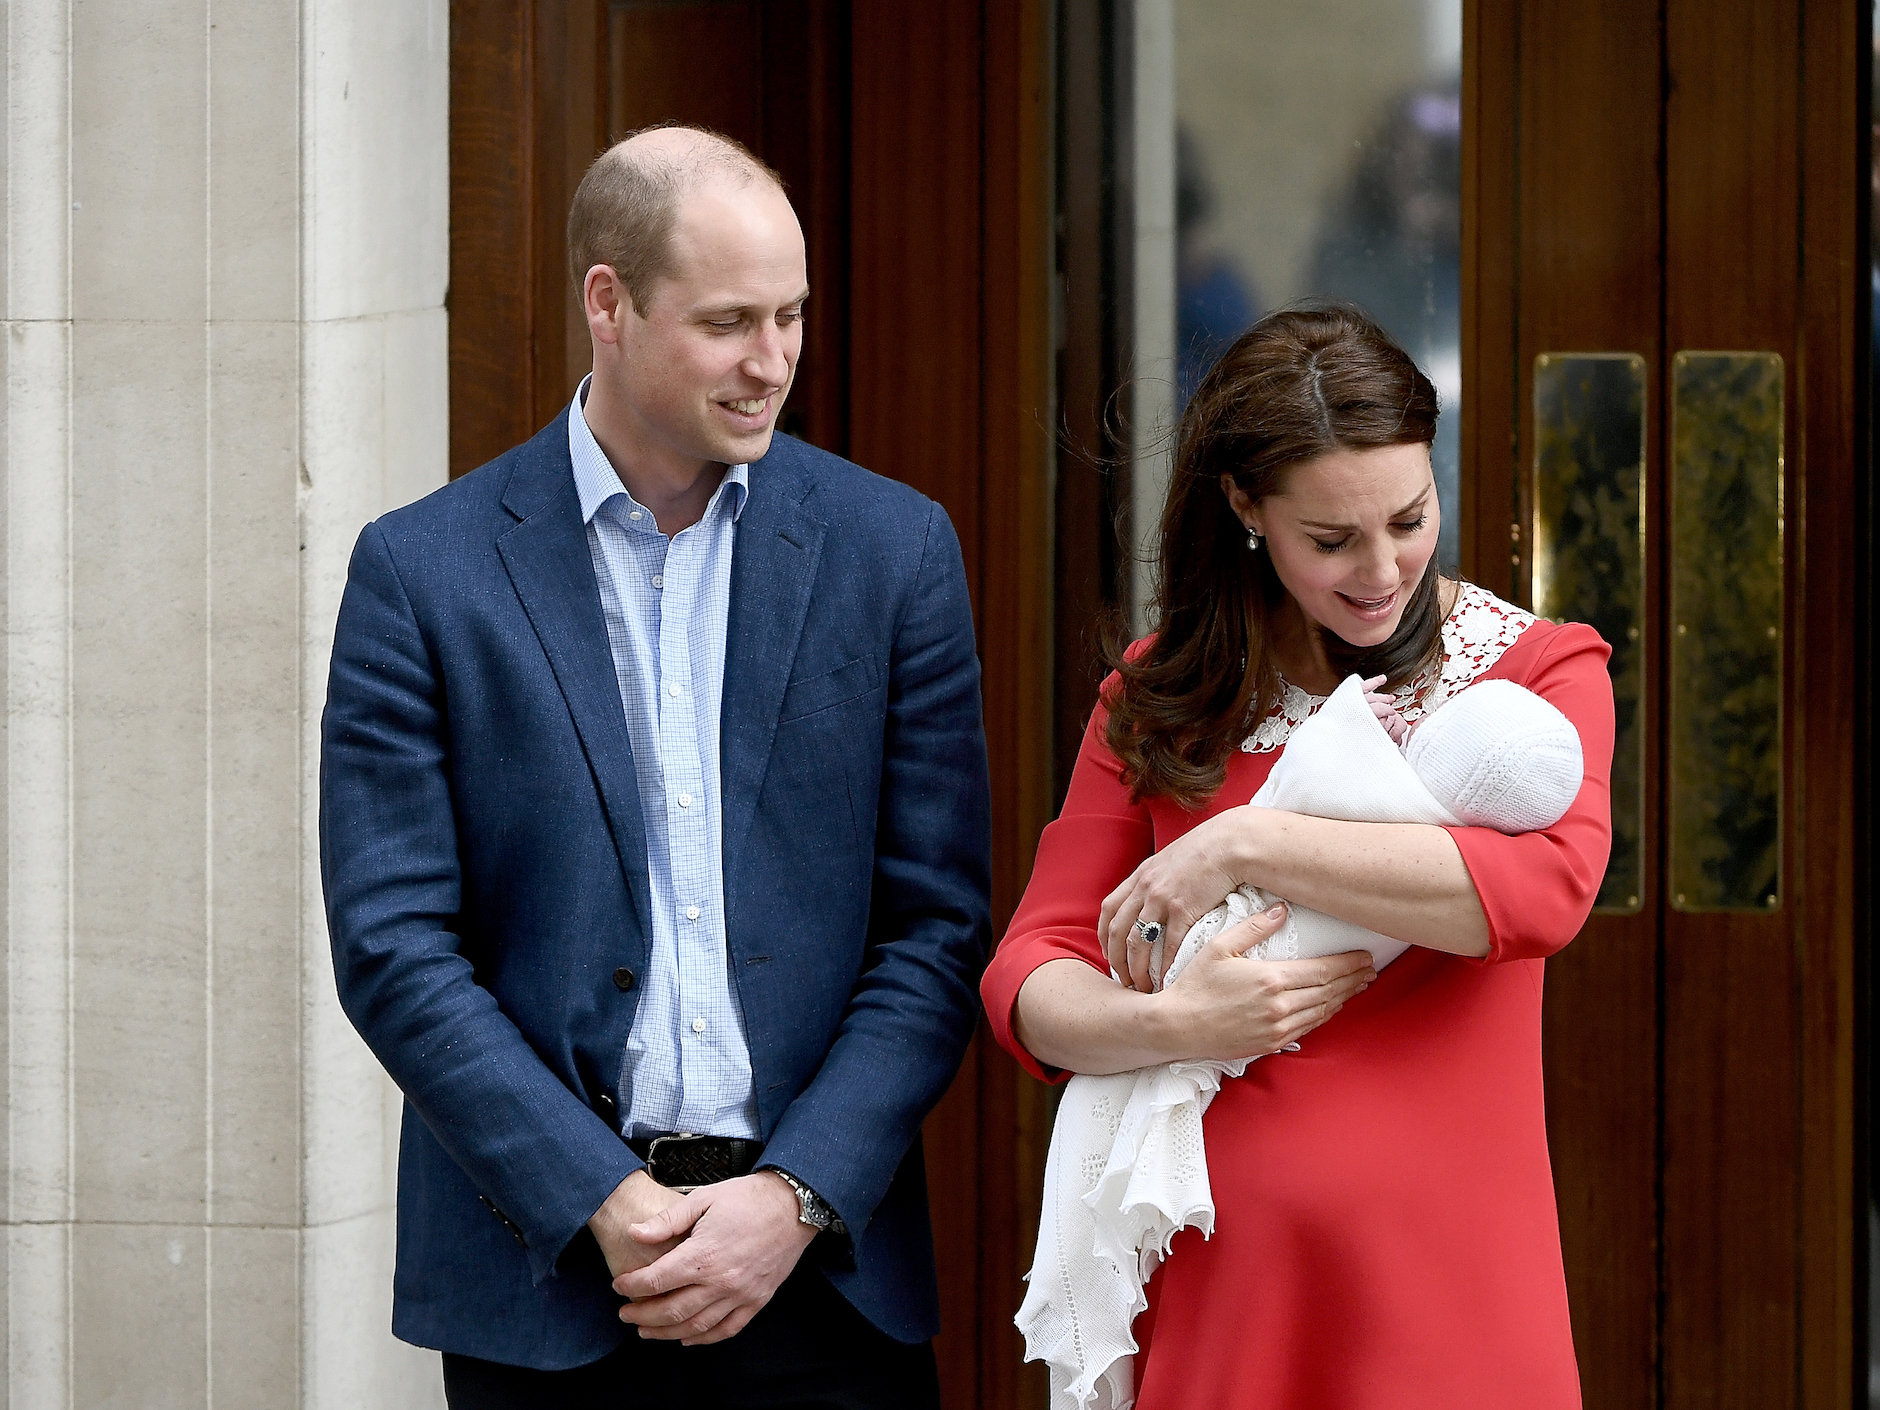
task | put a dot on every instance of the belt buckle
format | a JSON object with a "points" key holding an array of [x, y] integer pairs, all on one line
{"points": [[652, 1155]]}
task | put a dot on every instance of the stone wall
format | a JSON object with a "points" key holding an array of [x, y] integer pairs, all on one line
{"points": [[225, 258]]}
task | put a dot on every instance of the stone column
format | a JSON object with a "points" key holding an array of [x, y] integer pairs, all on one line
{"points": [[225, 255]]}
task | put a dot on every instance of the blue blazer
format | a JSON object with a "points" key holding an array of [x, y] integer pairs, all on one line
{"points": [[485, 871]]}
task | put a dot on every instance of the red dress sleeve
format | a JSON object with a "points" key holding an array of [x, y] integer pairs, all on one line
{"points": [[1537, 887], [1099, 838]]}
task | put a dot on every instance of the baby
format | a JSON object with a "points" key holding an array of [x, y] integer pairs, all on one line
{"points": [[1127, 1167], [1493, 755]]}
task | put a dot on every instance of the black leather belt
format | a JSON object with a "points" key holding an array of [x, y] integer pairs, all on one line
{"points": [[683, 1161]]}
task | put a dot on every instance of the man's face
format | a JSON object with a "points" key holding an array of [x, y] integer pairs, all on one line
{"points": [[704, 373]]}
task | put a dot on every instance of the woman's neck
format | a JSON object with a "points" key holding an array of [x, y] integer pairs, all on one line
{"points": [[1299, 650], [1298, 643]]}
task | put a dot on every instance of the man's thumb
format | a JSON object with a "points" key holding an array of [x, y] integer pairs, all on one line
{"points": [[671, 1222]]}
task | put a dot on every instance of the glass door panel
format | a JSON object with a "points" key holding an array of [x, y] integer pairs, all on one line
{"points": [[1309, 166], [1589, 558]]}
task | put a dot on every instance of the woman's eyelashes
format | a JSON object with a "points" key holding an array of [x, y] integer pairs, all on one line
{"points": [[1402, 529]]}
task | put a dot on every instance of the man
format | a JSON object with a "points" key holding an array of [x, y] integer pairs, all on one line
{"points": [[654, 831]]}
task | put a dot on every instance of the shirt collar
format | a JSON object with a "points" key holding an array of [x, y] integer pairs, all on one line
{"points": [[596, 481]]}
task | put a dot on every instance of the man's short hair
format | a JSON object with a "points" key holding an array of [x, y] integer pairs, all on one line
{"points": [[626, 206]]}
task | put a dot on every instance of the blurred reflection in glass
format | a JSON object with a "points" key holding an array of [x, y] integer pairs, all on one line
{"points": [[1215, 301], [1313, 167], [1393, 244]]}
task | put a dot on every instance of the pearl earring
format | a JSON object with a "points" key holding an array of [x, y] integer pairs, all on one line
{"points": [[1253, 541]]}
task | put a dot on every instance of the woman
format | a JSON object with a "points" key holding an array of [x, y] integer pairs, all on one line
{"points": [[1386, 1234]]}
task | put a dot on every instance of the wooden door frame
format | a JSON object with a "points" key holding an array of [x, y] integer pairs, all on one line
{"points": [[950, 294], [1806, 1120], [1556, 146]]}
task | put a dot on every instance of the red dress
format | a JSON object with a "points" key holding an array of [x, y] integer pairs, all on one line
{"points": [[1386, 1237]]}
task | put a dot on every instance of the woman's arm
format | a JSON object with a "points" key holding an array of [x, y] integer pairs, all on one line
{"points": [[1404, 880], [1054, 1007], [1468, 891], [1224, 1005]]}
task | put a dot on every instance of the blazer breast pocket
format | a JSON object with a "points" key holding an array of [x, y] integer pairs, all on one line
{"points": [[814, 694]]}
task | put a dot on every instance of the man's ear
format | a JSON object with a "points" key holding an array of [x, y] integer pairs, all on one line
{"points": [[604, 298]]}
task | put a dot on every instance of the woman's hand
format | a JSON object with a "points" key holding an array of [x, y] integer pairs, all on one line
{"points": [[1240, 1007], [1223, 1005], [1176, 887]]}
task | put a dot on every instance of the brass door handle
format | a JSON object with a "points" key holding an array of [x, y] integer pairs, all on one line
{"points": [[1725, 722]]}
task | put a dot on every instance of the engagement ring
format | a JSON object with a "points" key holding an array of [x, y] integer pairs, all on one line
{"points": [[1150, 931]]}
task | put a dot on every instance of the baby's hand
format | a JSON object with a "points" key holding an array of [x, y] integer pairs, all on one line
{"points": [[1385, 708]]}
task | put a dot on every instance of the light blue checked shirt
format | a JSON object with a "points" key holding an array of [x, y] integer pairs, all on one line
{"points": [[688, 1063]]}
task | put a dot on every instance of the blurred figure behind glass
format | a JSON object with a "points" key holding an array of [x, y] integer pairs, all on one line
{"points": [[1215, 301], [1391, 243]]}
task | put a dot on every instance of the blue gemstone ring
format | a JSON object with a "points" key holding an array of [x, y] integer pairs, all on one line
{"points": [[1148, 931]]}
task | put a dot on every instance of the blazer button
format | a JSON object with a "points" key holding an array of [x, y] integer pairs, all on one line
{"points": [[605, 1103], [623, 979]]}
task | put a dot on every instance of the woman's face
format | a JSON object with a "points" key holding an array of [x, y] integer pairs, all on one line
{"points": [[1350, 534]]}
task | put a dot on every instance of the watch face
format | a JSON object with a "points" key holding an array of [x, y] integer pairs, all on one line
{"points": [[811, 1208]]}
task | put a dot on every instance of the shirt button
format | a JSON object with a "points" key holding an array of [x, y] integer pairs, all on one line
{"points": [[635, 514], [685, 800], [623, 979], [691, 912], [698, 1025], [673, 691], [659, 580]]}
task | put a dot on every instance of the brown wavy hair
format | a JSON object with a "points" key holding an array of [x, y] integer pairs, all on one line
{"points": [[1298, 384]]}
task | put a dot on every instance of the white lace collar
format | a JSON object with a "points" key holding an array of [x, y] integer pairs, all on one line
{"points": [[1479, 628]]}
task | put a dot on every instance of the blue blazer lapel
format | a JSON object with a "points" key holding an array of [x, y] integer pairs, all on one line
{"points": [[773, 569], [553, 573]]}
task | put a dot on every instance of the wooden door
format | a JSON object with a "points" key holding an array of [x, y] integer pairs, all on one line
{"points": [[913, 144], [1661, 180]]}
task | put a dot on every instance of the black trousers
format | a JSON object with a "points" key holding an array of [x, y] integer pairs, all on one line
{"points": [[807, 1350]]}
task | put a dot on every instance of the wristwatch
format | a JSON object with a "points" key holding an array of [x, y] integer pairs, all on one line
{"points": [[811, 1208]]}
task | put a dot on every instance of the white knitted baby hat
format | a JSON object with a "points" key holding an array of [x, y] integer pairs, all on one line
{"points": [[1497, 755]]}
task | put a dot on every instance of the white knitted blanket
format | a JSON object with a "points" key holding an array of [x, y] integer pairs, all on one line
{"points": [[1127, 1167]]}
